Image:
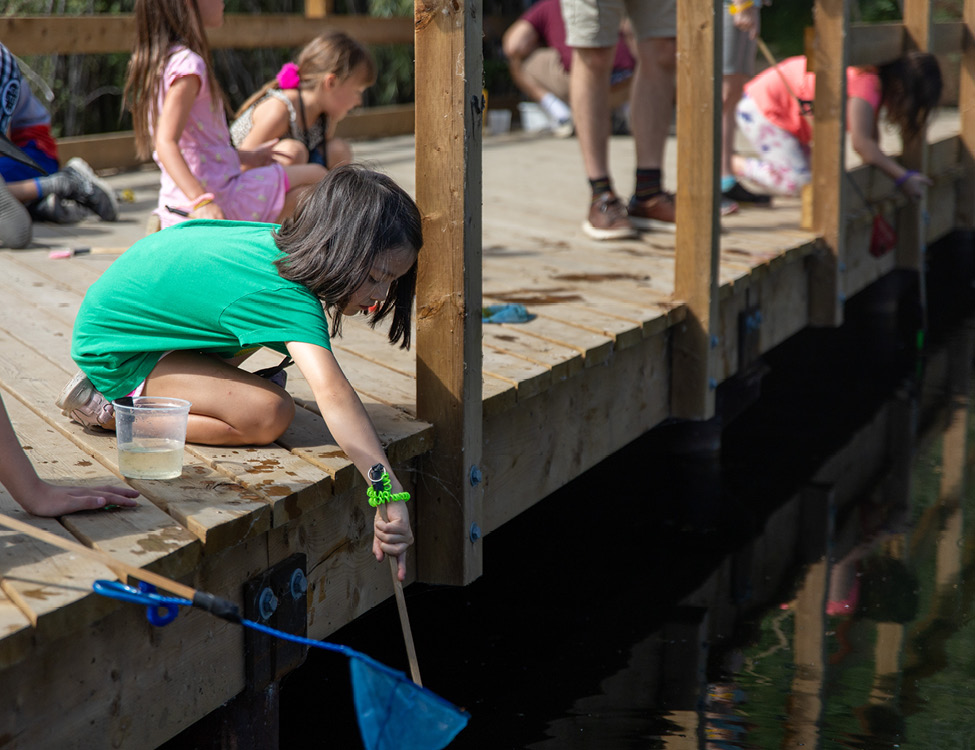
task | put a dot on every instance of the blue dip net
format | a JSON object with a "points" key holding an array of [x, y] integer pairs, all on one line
{"points": [[393, 712]]}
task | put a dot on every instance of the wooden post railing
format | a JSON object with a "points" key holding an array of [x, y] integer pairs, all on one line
{"points": [[966, 106], [826, 292], [99, 34], [449, 103], [698, 230], [912, 229]]}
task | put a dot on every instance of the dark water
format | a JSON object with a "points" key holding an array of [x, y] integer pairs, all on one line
{"points": [[800, 575]]}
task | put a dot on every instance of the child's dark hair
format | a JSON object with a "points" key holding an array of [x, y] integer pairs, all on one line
{"points": [[160, 24], [333, 52], [340, 229], [911, 89]]}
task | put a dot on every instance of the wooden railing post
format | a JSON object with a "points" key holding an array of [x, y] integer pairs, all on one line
{"points": [[699, 56], [448, 342], [912, 228], [826, 288], [318, 8], [966, 107]]}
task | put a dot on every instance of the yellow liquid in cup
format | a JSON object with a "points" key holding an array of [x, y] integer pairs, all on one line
{"points": [[151, 458]]}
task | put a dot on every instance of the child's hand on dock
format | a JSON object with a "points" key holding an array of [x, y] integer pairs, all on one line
{"points": [[52, 501]]}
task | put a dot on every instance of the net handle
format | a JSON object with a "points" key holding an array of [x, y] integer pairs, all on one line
{"points": [[404, 617]]}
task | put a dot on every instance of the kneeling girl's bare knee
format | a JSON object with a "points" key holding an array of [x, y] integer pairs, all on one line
{"points": [[266, 418]]}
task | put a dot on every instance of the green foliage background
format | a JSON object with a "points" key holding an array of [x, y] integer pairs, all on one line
{"points": [[84, 92]]}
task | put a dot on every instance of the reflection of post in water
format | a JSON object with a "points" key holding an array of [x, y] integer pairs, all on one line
{"points": [[953, 454], [926, 647], [805, 706], [682, 677]]}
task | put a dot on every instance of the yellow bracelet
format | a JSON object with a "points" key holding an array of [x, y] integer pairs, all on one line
{"points": [[202, 200], [735, 9]]}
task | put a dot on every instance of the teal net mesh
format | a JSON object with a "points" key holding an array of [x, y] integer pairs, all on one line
{"points": [[396, 714]]}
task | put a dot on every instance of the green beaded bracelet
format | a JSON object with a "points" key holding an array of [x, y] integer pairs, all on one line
{"points": [[385, 495]]}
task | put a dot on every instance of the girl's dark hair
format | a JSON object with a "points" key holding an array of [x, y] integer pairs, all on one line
{"points": [[910, 90], [339, 231], [160, 24], [332, 52]]}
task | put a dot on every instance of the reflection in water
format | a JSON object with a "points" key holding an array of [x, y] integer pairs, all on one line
{"points": [[801, 578]]}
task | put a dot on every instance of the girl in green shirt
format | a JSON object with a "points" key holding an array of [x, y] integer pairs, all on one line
{"points": [[181, 309]]}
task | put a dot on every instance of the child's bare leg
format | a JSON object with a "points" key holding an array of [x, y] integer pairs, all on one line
{"points": [[339, 153], [301, 177], [230, 406]]}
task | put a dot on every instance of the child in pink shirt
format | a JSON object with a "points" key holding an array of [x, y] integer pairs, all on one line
{"points": [[179, 115], [775, 114]]}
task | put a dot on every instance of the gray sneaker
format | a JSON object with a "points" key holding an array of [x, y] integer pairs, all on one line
{"points": [[16, 228], [81, 402], [57, 210], [90, 191]]}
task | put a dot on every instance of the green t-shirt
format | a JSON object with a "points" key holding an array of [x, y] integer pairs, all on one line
{"points": [[201, 286]]}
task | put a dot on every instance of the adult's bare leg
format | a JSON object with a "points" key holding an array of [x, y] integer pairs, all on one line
{"points": [[589, 87]]}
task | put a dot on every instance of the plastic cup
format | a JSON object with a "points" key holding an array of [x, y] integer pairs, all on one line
{"points": [[499, 121], [151, 434]]}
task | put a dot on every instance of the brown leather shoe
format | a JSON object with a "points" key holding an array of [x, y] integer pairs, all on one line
{"points": [[608, 220], [656, 212]]}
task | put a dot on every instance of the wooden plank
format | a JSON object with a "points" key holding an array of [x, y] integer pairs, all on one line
{"points": [[603, 407], [212, 505], [51, 587], [966, 106], [94, 34], [143, 537], [117, 150], [827, 291], [875, 43], [594, 348], [698, 240], [449, 192], [561, 361], [911, 230]]}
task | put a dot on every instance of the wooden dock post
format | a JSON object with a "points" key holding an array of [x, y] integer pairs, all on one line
{"points": [[449, 104], [966, 107], [912, 227], [826, 288], [698, 223]]}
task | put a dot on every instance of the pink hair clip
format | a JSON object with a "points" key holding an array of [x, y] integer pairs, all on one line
{"points": [[289, 77]]}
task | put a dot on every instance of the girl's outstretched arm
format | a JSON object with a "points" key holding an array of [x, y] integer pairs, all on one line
{"points": [[864, 136], [43, 499], [352, 429], [172, 121]]}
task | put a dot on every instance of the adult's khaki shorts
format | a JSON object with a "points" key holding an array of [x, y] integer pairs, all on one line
{"points": [[596, 23]]}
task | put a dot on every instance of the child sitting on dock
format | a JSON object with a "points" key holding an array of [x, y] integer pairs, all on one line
{"points": [[181, 309], [305, 102], [180, 118], [776, 111]]}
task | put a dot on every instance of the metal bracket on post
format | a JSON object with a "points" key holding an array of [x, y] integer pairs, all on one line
{"points": [[276, 598]]}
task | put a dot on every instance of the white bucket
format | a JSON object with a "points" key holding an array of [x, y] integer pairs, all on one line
{"points": [[533, 118]]}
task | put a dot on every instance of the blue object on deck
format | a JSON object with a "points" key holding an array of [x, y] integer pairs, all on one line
{"points": [[509, 313], [394, 713]]}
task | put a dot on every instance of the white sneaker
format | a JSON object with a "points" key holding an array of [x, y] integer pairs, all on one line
{"points": [[81, 402]]}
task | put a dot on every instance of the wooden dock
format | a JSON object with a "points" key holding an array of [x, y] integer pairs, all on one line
{"points": [[483, 421], [588, 374]]}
